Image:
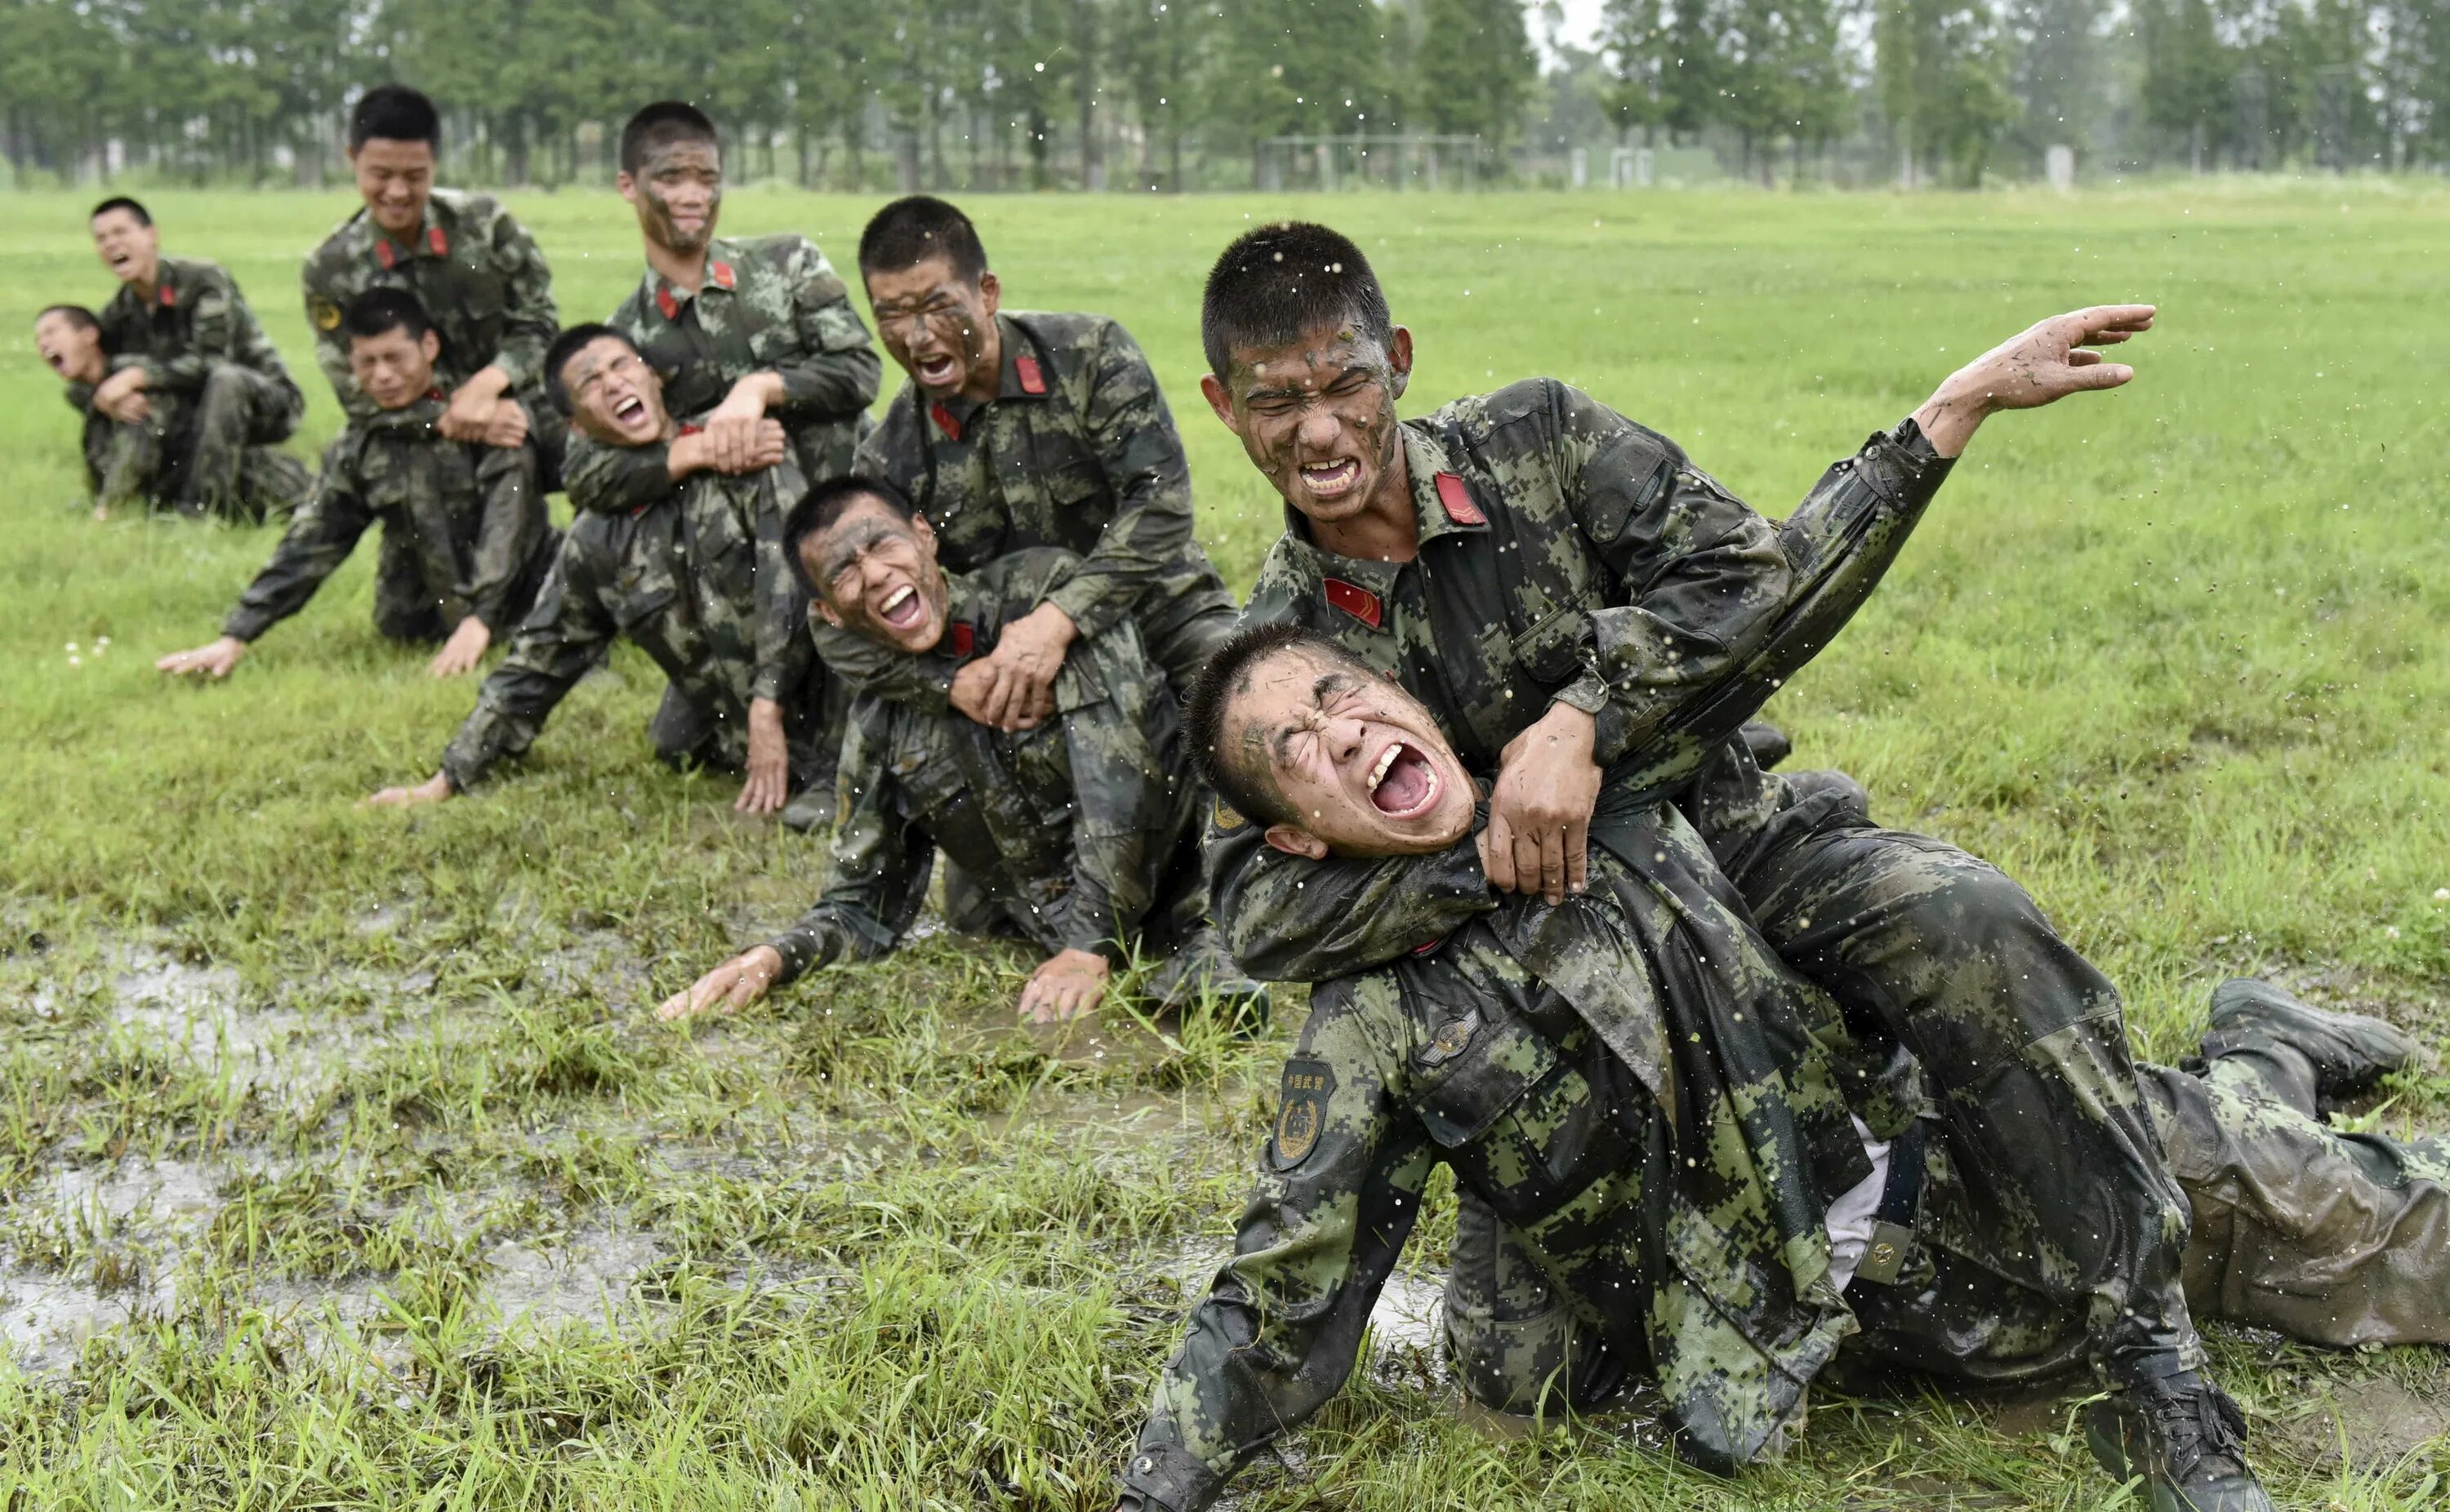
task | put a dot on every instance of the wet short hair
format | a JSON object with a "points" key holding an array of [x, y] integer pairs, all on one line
{"points": [[1279, 282], [917, 227], [78, 315], [1225, 677], [824, 505], [396, 113], [380, 312], [659, 125], [566, 345], [120, 201]]}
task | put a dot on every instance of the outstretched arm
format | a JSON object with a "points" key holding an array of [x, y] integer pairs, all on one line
{"points": [[2041, 365]]}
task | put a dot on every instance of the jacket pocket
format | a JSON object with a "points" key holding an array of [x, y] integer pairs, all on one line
{"points": [[1472, 1071]]}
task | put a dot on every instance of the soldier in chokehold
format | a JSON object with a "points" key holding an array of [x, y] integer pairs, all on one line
{"points": [[1081, 833], [466, 541], [184, 396], [695, 577], [1661, 1113]]}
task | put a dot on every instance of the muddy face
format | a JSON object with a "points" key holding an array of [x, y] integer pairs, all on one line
{"points": [[1317, 415], [393, 178], [70, 349], [677, 192], [131, 250], [615, 396], [877, 577], [396, 369], [1357, 760], [940, 327]]}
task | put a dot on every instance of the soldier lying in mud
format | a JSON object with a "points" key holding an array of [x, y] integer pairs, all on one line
{"points": [[695, 577], [1082, 832], [1712, 1185]]}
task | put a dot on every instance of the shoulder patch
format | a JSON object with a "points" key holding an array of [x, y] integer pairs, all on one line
{"points": [[326, 314], [1301, 1115], [1226, 819]]}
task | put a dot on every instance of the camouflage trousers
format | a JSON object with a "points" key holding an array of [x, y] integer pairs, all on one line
{"points": [[688, 734], [214, 453]]}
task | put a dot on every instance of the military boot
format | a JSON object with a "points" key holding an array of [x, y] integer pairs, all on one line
{"points": [[2184, 1437], [2348, 1051]]}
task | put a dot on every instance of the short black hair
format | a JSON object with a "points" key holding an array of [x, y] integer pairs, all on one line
{"points": [[396, 113], [917, 227], [120, 201], [1276, 283], [660, 125], [1225, 676], [379, 311], [566, 346], [83, 319], [828, 502]]}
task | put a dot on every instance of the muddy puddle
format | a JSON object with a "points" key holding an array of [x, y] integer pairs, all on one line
{"points": [[2371, 1424]]}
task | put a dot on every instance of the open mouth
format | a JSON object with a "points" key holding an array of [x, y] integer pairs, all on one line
{"points": [[122, 261], [1403, 784], [937, 371], [901, 609], [629, 411], [1329, 480]]}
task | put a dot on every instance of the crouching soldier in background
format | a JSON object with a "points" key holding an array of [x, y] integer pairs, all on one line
{"points": [[466, 542], [196, 394], [1081, 832], [695, 576], [1543, 1053]]}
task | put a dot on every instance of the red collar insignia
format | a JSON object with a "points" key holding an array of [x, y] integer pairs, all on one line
{"points": [[1429, 945], [664, 301], [383, 253], [434, 393], [1456, 497], [169, 298], [440, 243], [722, 272], [1032, 380], [1354, 600], [964, 640], [944, 421]]}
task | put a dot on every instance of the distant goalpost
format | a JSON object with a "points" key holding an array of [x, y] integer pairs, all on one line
{"points": [[1383, 162]]}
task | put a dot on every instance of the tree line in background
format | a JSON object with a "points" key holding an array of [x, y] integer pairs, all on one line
{"points": [[1174, 94]]}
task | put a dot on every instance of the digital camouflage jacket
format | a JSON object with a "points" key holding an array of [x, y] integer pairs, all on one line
{"points": [[770, 303], [1085, 828], [1653, 1104], [1566, 553], [696, 579], [478, 272], [472, 514], [1077, 451], [195, 321]]}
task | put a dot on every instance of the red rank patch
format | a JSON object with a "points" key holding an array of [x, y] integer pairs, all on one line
{"points": [[1429, 945], [693, 430], [169, 300], [966, 640], [1032, 380], [1456, 497], [664, 301], [440, 243], [383, 253], [944, 421], [434, 392], [1354, 600], [722, 274]]}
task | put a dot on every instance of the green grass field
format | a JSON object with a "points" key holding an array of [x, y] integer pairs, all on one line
{"points": [[343, 1168]]}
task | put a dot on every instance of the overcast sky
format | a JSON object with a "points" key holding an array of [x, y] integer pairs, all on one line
{"points": [[1582, 21]]}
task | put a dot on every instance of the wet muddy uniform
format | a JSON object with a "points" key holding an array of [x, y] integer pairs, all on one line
{"points": [[1083, 832], [464, 531], [1568, 553], [698, 580], [221, 402], [1077, 451]]}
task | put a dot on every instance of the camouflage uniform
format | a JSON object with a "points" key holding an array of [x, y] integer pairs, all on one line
{"points": [[698, 580], [478, 275], [217, 391], [770, 303], [138, 464], [464, 531], [1077, 451], [1567, 554], [1083, 831]]}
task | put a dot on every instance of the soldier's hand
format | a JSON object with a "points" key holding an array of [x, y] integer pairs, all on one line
{"points": [[213, 661], [470, 414], [975, 685], [2040, 366], [464, 650], [507, 429], [769, 759], [433, 790], [122, 395], [731, 428], [728, 988], [1065, 985], [1540, 811], [1024, 666]]}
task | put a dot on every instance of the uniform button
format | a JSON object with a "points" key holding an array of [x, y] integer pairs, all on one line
{"points": [[1144, 1464]]}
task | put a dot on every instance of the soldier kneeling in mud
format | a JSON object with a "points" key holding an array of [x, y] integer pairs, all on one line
{"points": [[1083, 831], [1712, 1189], [695, 576]]}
